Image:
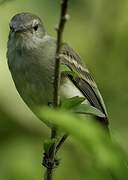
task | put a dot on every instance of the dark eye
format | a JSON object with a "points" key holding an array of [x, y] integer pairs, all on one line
{"points": [[11, 28], [36, 27]]}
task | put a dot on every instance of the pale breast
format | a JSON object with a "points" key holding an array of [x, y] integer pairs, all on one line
{"points": [[32, 79]]}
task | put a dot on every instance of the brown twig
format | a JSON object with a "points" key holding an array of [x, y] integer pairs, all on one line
{"points": [[50, 157], [60, 29], [61, 142]]}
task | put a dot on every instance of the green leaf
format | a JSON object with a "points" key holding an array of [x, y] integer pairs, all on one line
{"points": [[70, 103], [48, 144], [88, 109], [92, 138], [64, 69], [74, 105], [4, 1]]}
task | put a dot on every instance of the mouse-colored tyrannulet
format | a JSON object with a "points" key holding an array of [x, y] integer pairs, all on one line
{"points": [[31, 59]]}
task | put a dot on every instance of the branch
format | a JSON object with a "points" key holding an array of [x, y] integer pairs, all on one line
{"points": [[50, 161], [60, 29], [61, 142]]}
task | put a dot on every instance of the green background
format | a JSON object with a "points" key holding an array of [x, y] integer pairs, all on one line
{"points": [[98, 31]]}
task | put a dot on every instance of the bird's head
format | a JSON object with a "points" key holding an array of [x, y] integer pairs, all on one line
{"points": [[26, 26]]}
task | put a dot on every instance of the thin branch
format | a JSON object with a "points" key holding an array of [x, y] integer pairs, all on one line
{"points": [[50, 161], [48, 175], [60, 29], [61, 142]]}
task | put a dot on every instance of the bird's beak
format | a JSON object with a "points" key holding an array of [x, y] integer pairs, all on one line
{"points": [[19, 29]]}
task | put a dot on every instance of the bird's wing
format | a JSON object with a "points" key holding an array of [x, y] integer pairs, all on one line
{"points": [[83, 81]]}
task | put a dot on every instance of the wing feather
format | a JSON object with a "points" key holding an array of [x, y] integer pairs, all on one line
{"points": [[84, 80]]}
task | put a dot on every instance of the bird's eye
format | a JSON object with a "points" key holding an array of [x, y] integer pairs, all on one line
{"points": [[11, 28], [35, 27]]}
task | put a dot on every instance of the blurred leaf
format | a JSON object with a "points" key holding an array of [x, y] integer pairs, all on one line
{"points": [[93, 139], [4, 1]]}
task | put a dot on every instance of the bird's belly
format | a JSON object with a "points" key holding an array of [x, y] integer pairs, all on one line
{"points": [[35, 90], [40, 92], [35, 86]]}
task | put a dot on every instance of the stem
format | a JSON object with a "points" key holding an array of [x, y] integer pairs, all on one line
{"points": [[60, 29], [49, 160], [61, 142], [50, 157], [48, 175]]}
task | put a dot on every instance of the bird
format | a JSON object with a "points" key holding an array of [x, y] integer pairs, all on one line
{"points": [[31, 53]]}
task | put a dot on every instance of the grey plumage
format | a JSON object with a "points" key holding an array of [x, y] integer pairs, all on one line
{"points": [[31, 59]]}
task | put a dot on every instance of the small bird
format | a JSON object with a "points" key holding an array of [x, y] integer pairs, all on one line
{"points": [[31, 60]]}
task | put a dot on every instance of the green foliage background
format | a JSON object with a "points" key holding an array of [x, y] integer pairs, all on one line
{"points": [[98, 31]]}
